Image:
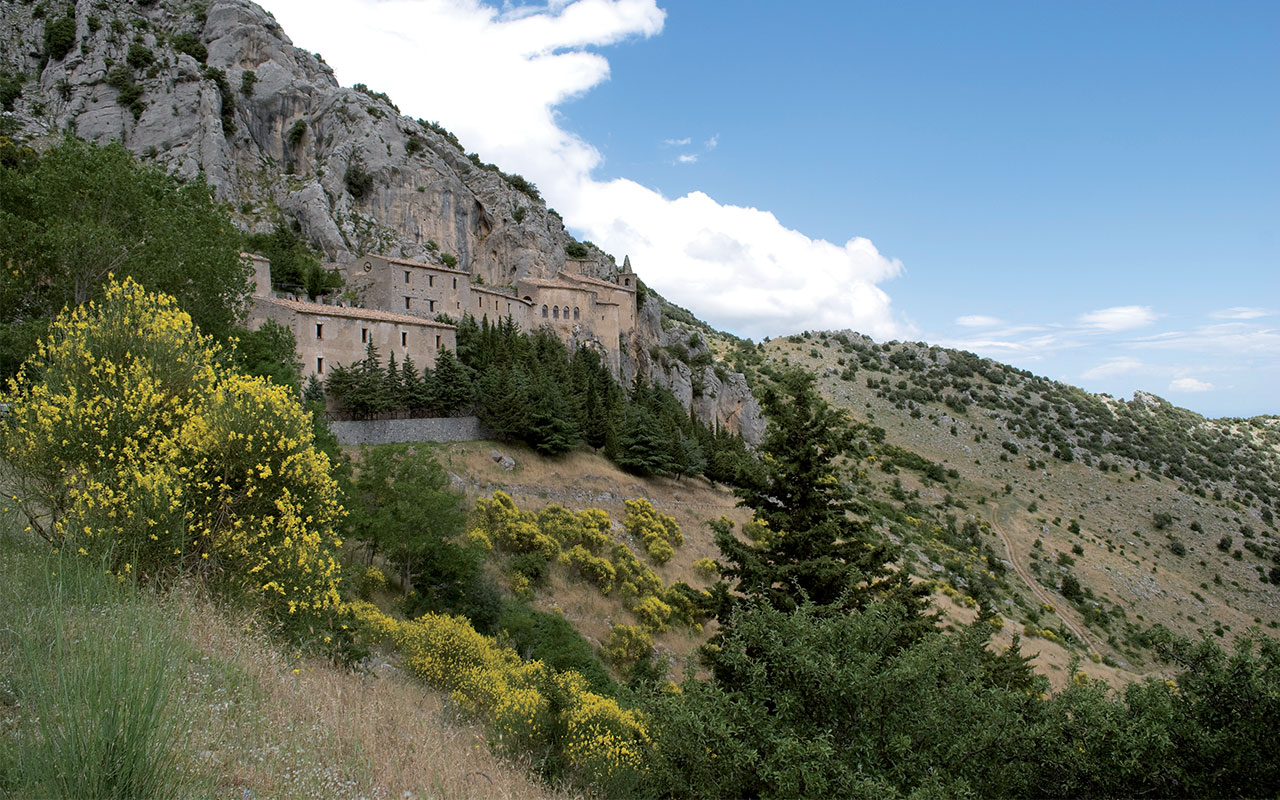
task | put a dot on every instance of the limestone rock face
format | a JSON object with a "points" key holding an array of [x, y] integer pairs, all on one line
{"points": [[220, 91]]}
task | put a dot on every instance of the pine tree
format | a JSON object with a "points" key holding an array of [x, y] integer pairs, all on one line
{"points": [[451, 389], [393, 385], [808, 547], [416, 398]]}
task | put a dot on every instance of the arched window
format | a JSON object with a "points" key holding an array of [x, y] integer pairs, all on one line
{"points": [[575, 312], [566, 312], [555, 312], [544, 310]]}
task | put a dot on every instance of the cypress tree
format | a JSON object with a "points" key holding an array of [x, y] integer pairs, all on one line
{"points": [[451, 389]]}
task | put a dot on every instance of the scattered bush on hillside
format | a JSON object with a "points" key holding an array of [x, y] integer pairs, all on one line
{"points": [[659, 533], [59, 36], [190, 44], [529, 707]]}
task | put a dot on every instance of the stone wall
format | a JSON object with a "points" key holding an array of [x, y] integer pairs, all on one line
{"points": [[426, 429]]}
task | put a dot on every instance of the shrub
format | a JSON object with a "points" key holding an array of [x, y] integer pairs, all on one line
{"points": [[449, 260], [576, 250], [190, 44], [294, 136], [627, 644], [1178, 548], [59, 36], [706, 568], [130, 441], [247, 79], [358, 179], [659, 533], [140, 56], [371, 582], [1162, 520]]}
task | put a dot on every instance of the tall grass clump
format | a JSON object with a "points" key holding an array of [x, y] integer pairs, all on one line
{"points": [[91, 682]]}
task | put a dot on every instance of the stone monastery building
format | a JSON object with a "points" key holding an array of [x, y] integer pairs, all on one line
{"points": [[402, 299]]}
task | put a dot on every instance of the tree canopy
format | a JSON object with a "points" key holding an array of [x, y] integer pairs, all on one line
{"points": [[80, 212]]}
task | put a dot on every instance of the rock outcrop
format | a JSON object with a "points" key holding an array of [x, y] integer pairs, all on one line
{"points": [[218, 90]]}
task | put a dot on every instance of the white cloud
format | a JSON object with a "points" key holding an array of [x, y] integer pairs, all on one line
{"points": [[1118, 318], [1189, 385], [687, 158], [1112, 367], [977, 321], [1241, 312], [713, 142], [740, 268], [677, 142]]}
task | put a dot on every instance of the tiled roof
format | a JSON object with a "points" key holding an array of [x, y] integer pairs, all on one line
{"points": [[596, 281], [409, 262], [351, 313], [507, 293]]}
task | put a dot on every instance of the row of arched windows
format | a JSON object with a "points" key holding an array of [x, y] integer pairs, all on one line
{"points": [[555, 312]]}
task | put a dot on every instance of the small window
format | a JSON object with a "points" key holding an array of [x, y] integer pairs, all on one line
{"points": [[555, 312], [479, 302], [320, 366], [544, 310], [404, 339], [406, 302], [566, 312], [319, 331], [437, 342], [455, 283], [364, 336], [431, 280], [406, 276], [575, 312], [626, 281], [431, 305]]}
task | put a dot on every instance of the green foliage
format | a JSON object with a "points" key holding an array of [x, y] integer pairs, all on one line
{"points": [[81, 212], [575, 249], [449, 260], [10, 90], [295, 134], [551, 639], [358, 180], [365, 90], [227, 107], [190, 44], [403, 507], [140, 56], [294, 266], [59, 36], [808, 549], [272, 353], [247, 80]]}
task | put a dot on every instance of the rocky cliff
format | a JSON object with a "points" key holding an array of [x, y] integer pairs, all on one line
{"points": [[218, 89]]}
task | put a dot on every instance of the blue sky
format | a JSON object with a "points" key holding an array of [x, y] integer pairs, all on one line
{"points": [[1087, 190]]}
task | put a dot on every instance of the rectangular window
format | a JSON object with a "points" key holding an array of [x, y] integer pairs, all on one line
{"points": [[406, 302], [406, 276], [319, 331], [479, 302], [364, 336], [431, 305], [455, 283], [404, 339], [437, 342], [320, 366], [431, 280]]}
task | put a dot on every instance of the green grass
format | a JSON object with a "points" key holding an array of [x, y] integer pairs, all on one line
{"points": [[88, 683]]}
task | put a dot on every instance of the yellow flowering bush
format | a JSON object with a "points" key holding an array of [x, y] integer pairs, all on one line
{"points": [[627, 644], [128, 439], [659, 533], [525, 704], [706, 568]]}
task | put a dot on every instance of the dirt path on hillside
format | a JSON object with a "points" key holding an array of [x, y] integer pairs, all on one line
{"points": [[1059, 604]]}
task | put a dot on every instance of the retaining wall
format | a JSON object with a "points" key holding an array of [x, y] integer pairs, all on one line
{"points": [[425, 429]]}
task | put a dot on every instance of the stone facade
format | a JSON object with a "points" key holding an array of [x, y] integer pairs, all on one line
{"points": [[329, 335], [577, 307]]}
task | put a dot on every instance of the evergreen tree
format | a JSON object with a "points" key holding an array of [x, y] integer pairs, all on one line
{"points": [[808, 548], [393, 384], [641, 447], [451, 389], [416, 397]]}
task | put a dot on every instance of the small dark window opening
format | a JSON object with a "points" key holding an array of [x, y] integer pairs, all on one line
{"points": [[544, 310], [455, 283], [406, 302], [555, 312], [431, 280], [319, 331], [566, 312], [406, 276], [320, 365], [575, 312], [404, 339], [364, 336], [437, 342]]}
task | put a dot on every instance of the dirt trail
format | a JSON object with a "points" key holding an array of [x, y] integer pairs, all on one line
{"points": [[1060, 605]]}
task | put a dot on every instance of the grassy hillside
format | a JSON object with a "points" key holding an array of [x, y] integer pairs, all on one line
{"points": [[238, 713], [1157, 514]]}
